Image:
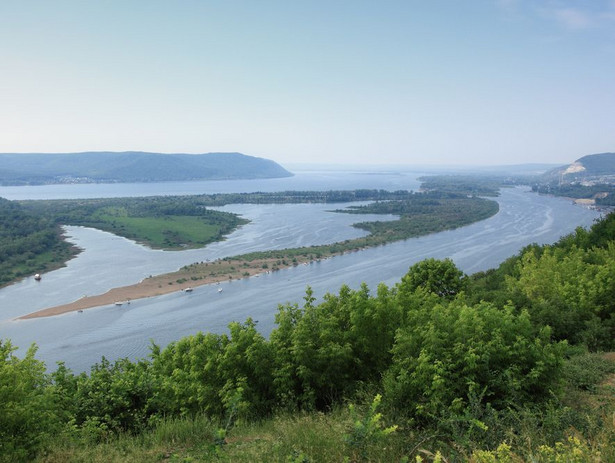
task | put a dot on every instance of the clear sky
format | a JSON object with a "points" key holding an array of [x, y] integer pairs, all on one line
{"points": [[335, 81]]}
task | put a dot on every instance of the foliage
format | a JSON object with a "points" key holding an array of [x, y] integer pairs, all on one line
{"points": [[439, 277], [29, 415], [573, 450], [113, 397], [368, 430], [28, 243], [156, 221], [446, 353], [473, 184], [572, 290], [586, 371]]}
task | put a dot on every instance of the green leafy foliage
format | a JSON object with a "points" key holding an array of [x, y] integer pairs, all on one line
{"points": [[28, 243], [439, 277], [368, 430], [445, 354], [29, 415]]}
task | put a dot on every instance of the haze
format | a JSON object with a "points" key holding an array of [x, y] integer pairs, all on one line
{"points": [[362, 82]]}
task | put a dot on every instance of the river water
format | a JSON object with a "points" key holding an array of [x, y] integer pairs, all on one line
{"points": [[80, 339]]}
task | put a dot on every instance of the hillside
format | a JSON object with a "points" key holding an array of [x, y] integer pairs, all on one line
{"points": [[131, 166], [596, 168]]}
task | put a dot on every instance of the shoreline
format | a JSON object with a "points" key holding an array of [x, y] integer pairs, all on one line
{"points": [[190, 276]]}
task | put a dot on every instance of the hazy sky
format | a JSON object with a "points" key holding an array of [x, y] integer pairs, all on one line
{"points": [[414, 82]]}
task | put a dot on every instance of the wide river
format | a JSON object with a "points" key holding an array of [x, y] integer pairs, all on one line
{"points": [[80, 339]]}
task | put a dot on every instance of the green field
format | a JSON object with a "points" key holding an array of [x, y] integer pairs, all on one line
{"points": [[171, 231]]}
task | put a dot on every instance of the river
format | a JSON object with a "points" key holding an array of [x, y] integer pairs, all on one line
{"points": [[80, 339]]}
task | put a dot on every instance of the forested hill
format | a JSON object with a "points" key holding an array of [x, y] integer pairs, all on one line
{"points": [[131, 166]]}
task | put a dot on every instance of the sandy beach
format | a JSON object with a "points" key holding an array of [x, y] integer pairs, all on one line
{"points": [[190, 276]]}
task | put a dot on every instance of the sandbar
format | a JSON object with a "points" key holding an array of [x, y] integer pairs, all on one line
{"points": [[190, 276]]}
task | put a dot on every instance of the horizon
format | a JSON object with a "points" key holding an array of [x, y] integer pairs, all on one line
{"points": [[484, 83], [328, 165]]}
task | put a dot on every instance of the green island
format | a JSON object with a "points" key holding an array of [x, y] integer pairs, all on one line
{"points": [[514, 364]]}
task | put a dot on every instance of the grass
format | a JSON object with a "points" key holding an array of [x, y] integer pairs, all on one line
{"points": [[169, 231]]}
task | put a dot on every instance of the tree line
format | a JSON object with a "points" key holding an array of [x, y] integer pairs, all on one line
{"points": [[29, 243]]}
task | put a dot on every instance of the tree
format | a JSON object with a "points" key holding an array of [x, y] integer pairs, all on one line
{"points": [[449, 354], [29, 415], [440, 277]]}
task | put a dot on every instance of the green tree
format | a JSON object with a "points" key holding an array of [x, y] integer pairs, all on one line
{"points": [[29, 415], [440, 277], [450, 353]]}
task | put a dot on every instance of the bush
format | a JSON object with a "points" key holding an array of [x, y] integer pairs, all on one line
{"points": [[30, 416], [449, 354]]}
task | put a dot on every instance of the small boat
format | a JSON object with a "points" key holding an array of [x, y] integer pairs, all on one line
{"points": [[188, 290], [219, 290], [37, 277], [118, 303]]}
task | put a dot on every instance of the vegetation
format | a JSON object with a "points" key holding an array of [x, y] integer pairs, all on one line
{"points": [[472, 184], [177, 222], [503, 365], [421, 214], [158, 222], [28, 243], [603, 193]]}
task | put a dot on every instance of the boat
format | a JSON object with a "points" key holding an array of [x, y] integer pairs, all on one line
{"points": [[188, 290], [118, 303], [37, 277], [219, 290]]}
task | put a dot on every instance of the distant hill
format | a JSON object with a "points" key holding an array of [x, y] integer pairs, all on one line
{"points": [[590, 168], [131, 166]]}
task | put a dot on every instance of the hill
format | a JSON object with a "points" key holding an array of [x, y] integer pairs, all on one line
{"points": [[131, 166], [595, 168]]}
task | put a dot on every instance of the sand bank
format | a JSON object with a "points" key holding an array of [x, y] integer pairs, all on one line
{"points": [[190, 276]]}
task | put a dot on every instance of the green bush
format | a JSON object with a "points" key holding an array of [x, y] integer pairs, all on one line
{"points": [[448, 354], [29, 413]]}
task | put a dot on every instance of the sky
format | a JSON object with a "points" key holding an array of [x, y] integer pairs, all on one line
{"points": [[417, 82]]}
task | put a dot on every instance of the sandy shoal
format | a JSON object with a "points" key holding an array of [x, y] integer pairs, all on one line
{"points": [[191, 276]]}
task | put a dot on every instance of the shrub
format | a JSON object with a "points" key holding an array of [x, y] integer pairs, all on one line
{"points": [[449, 353]]}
